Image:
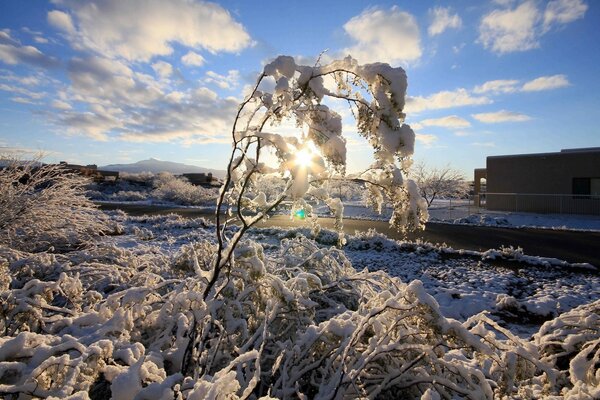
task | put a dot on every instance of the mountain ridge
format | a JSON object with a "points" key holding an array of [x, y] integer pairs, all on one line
{"points": [[155, 166]]}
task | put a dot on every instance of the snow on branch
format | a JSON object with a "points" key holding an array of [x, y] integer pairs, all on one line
{"points": [[308, 160]]}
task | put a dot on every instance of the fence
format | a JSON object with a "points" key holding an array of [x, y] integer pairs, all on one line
{"points": [[450, 209], [542, 203]]}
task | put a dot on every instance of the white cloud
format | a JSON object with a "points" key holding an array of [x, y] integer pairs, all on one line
{"points": [[451, 121], [509, 30], [163, 69], [61, 20], [28, 80], [456, 49], [441, 19], [36, 95], [513, 85], [23, 100], [17, 151], [497, 86], [483, 144], [12, 53], [390, 36], [136, 107], [445, 99], [560, 12], [193, 59], [462, 133], [546, 83], [229, 81], [119, 82], [426, 139], [61, 105], [138, 30], [500, 116]]}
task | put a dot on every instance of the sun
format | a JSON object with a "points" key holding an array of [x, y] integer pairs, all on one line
{"points": [[304, 158]]}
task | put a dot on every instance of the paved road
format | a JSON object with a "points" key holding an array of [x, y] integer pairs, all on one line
{"points": [[565, 245]]}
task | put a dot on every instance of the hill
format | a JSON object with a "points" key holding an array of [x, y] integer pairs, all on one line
{"points": [[155, 166]]}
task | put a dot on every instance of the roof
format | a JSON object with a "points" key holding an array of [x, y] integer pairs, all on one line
{"points": [[562, 152]]}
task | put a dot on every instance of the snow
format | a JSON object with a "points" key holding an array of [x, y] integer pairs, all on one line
{"points": [[123, 272], [164, 307], [460, 212]]}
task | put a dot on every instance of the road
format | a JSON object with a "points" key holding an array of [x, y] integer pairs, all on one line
{"points": [[574, 247]]}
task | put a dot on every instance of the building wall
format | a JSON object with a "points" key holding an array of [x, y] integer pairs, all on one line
{"points": [[550, 173], [519, 177]]}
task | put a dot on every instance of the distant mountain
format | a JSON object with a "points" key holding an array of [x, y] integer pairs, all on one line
{"points": [[155, 166]]}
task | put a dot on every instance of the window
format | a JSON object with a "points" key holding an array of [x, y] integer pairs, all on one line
{"points": [[595, 187], [586, 187]]}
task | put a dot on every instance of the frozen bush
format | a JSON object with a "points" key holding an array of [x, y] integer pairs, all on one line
{"points": [[180, 191], [303, 323], [43, 207]]}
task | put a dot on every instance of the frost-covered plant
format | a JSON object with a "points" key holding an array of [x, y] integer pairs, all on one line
{"points": [[308, 161], [44, 207], [571, 343], [180, 191], [305, 324]]}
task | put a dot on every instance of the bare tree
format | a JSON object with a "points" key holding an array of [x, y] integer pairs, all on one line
{"points": [[439, 182]]}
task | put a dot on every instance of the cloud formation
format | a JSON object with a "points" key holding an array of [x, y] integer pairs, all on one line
{"points": [[229, 81], [12, 53], [500, 116], [426, 139], [546, 83], [390, 36], [508, 30], [561, 12], [193, 59], [444, 99], [451, 121], [441, 20], [499, 86], [138, 30]]}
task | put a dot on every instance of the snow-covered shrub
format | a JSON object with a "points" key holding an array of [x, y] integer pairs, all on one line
{"points": [[571, 343], [303, 323], [139, 177], [180, 191], [308, 161], [160, 188], [43, 207]]}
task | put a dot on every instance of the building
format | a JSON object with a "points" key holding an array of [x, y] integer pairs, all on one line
{"points": [[92, 171], [563, 182], [201, 179]]}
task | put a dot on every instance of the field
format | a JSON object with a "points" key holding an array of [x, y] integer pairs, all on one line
{"points": [[111, 319]]}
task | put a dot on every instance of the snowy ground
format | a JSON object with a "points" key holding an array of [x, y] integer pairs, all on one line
{"points": [[522, 292], [464, 213], [112, 320]]}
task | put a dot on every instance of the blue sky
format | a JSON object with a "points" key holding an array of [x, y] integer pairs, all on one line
{"points": [[117, 81]]}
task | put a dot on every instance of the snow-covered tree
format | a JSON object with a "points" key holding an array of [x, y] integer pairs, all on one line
{"points": [[308, 160], [44, 207], [227, 320], [444, 182]]}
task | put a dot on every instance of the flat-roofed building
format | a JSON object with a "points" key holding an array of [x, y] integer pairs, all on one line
{"points": [[563, 182]]}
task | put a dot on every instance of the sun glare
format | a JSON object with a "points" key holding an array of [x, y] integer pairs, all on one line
{"points": [[304, 158]]}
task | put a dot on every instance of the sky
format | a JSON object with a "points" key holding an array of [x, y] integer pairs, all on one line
{"points": [[118, 81]]}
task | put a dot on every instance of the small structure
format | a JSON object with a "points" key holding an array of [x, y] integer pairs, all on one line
{"points": [[92, 171], [201, 179], [563, 182]]}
